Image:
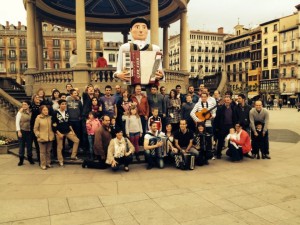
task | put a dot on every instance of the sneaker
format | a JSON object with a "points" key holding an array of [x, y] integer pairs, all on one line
{"points": [[74, 158], [48, 166], [267, 156], [84, 164], [213, 158], [61, 164], [126, 169], [43, 167]]}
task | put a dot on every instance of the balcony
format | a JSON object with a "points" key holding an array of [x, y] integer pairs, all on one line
{"points": [[56, 58], [13, 58], [23, 57], [89, 59], [66, 58], [12, 45], [56, 46], [23, 45], [2, 57], [22, 70], [12, 71]]}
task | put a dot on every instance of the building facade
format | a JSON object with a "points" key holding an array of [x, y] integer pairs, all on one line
{"points": [[237, 59], [206, 52], [58, 43]]}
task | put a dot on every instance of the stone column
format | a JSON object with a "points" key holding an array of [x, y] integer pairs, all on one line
{"points": [[166, 61], [39, 43], [80, 71], [31, 47], [125, 36], [154, 22], [183, 41]]}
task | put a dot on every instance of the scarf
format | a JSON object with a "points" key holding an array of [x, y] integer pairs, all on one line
{"points": [[120, 148]]}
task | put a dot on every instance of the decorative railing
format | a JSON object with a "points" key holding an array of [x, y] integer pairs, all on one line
{"points": [[9, 103], [53, 76]]}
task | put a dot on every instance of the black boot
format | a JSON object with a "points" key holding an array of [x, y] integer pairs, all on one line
{"points": [[21, 161], [137, 157], [30, 160]]}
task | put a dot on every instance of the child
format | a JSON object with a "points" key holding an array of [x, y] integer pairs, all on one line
{"points": [[96, 107], [232, 134], [113, 127], [92, 124], [155, 118], [257, 141], [134, 130]]}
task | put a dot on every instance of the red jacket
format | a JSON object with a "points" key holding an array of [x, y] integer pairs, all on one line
{"points": [[244, 142], [101, 62], [143, 107]]}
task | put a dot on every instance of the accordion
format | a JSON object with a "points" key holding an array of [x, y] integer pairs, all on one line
{"points": [[142, 66]]}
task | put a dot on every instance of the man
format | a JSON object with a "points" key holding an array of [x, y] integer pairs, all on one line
{"points": [[109, 106], [217, 95], [118, 94], [204, 105], [74, 107], [191, 91], [241, 113], [184, 139], [179, 94], [139, 28], [153, 147], [155, 100], [62, 128], [73, 58], [260, 114], [101, 61], [68, 88], [186, 112], [165, 99], [223, 122], [142, 105], [101, 143]]}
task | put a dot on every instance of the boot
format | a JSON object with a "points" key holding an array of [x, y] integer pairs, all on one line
{"points": [[137, 157], [30, 160], [21, 161]]}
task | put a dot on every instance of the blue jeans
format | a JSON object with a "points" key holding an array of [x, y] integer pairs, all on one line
{"points": [[152, 159], [26, 139], [91, 139]]}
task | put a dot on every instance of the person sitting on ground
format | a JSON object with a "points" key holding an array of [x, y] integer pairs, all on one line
{"points": [[243, 142], [153, 146], [119, 151], [232, 135]]}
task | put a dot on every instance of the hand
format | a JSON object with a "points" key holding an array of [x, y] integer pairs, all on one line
{"points": [[141, 134], [127, 153], [263, 133], [164, 115], [255, 134], [159, 144], [146, 117], [174, 150], [159, 75], [124, 75], [114, 163], [19, 134]]}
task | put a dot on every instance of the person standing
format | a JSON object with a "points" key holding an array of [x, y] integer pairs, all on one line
{"points": [[186, 112], [191, 91], [101, 61], [174, 107], [155, 100], [45, 136], [62, 128], [73, 58], [108, 102], [241, 113], [260, 114], [23, 131], [35, 111]]}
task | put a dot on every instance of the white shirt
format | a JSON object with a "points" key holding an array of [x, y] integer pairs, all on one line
{"points": [[126, 48]]}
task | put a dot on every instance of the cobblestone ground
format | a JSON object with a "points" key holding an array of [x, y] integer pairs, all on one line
{"points": [[251, 192]]}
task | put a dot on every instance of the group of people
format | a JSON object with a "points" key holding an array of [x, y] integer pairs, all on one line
{"points": [[116, 126]]}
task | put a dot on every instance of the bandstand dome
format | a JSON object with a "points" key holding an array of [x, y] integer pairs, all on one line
{"points": [[107, 15]]}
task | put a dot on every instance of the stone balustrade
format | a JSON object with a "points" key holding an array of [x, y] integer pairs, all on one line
{"points": [[8, 103]]}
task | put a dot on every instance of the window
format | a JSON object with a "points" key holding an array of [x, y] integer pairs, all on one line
{"points": [[45, 55], [265, 62], [275, 38], [12, 53], [22, 42], [45, 65], [274, 61], [275, 27], [274, 50], [265, 51], [111, 58], [266, 30], [56, 65], [1, 41], [98, 44], [284, 58], [88, 44], [55, 42], [56, 54], [13, 67], [67, 43], [293, 44], [45, 27], [284, 72], [88, 56], [266, 41], [292, 71], [67, 54], [292, 57]]}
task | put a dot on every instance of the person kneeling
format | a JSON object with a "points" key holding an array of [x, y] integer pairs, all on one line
{"points": [[153, 147], [119, 152]]}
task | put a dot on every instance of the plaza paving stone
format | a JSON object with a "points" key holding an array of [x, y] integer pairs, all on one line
{"points": [[259, 192]]}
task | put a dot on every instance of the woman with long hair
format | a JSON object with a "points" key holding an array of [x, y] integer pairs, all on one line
{"points": [[174, 106]]}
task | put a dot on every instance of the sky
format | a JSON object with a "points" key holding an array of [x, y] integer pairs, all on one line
{"points": [[202, 15]]}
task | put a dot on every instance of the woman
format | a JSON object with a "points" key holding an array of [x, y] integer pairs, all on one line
{"points": [[35, 111], [55, 98], [119, 152], [170, 148], [173, 105], [123, 109], [45, 136], [23, 131]]}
